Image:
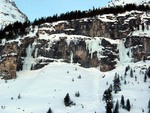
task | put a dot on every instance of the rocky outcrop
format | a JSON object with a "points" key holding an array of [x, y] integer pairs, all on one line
{"points": [[140, 47], [8, 62], [110, 26]]}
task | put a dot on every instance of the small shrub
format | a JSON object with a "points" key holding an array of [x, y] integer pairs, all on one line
{"points": [[49, 110], [79, 77], [19, 96], [77, 94]]}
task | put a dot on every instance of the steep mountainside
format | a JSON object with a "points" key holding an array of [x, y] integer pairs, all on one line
{"points": [[104, 41], [9, 13]]}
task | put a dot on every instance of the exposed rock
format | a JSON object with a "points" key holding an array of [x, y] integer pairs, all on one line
{"points": [[140, 47], [8, 67]]}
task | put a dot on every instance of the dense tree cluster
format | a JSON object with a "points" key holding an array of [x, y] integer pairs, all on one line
{"points": [[13, 30]]}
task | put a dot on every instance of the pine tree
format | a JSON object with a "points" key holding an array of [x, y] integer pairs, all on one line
{"points": [[131, 73], [145, 78], [135, 78], [125, 74], [122, 101], [67, 100], [138, 27], [107, 96], [125, 82], [149, 106], [116, 110], [49, 110], [147, 27], [144, 58], [128, 106], [148, 72], [116, 85], [110, 88], [143, 27], [19, 96], [109, 107], [127, 68]]}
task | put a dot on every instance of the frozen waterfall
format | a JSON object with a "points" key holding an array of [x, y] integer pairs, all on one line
{"points": [[28, 59], [124, 53]]}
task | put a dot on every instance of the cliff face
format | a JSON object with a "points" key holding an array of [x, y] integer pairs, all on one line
{"points": [[103, 42], [8, 61], [140, 47], [110, 26]]}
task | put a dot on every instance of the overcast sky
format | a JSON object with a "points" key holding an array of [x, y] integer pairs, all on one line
{"points": [[43, 8]]}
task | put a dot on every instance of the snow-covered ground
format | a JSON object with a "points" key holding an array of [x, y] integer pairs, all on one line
{"points": [[46, 88]]}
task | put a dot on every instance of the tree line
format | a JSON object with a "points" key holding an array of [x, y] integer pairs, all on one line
{"points": [[91, 12], [18, 29], [13, 30]]}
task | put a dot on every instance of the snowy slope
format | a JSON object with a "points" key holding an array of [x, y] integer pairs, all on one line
{"points": [[9, 13], [47, 87], [123, 2]]}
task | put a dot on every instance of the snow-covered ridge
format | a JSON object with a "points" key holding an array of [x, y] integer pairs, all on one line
{"points": [[124, 2], [9, 13]]}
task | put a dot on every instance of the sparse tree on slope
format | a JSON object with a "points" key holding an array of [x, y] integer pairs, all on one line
{"points": [[116, 110], [127, 69], [109, 106], [110, 88], [148, 72], [145, 78], [149, 106], [107, 97], [122, 101], [131, 73], [67, 100], [128, 106], [19, 96], [116, 84], [135, 78], [49, 111]]}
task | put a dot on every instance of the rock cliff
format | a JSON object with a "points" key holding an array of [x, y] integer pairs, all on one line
{"points": [[103, 41]]}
